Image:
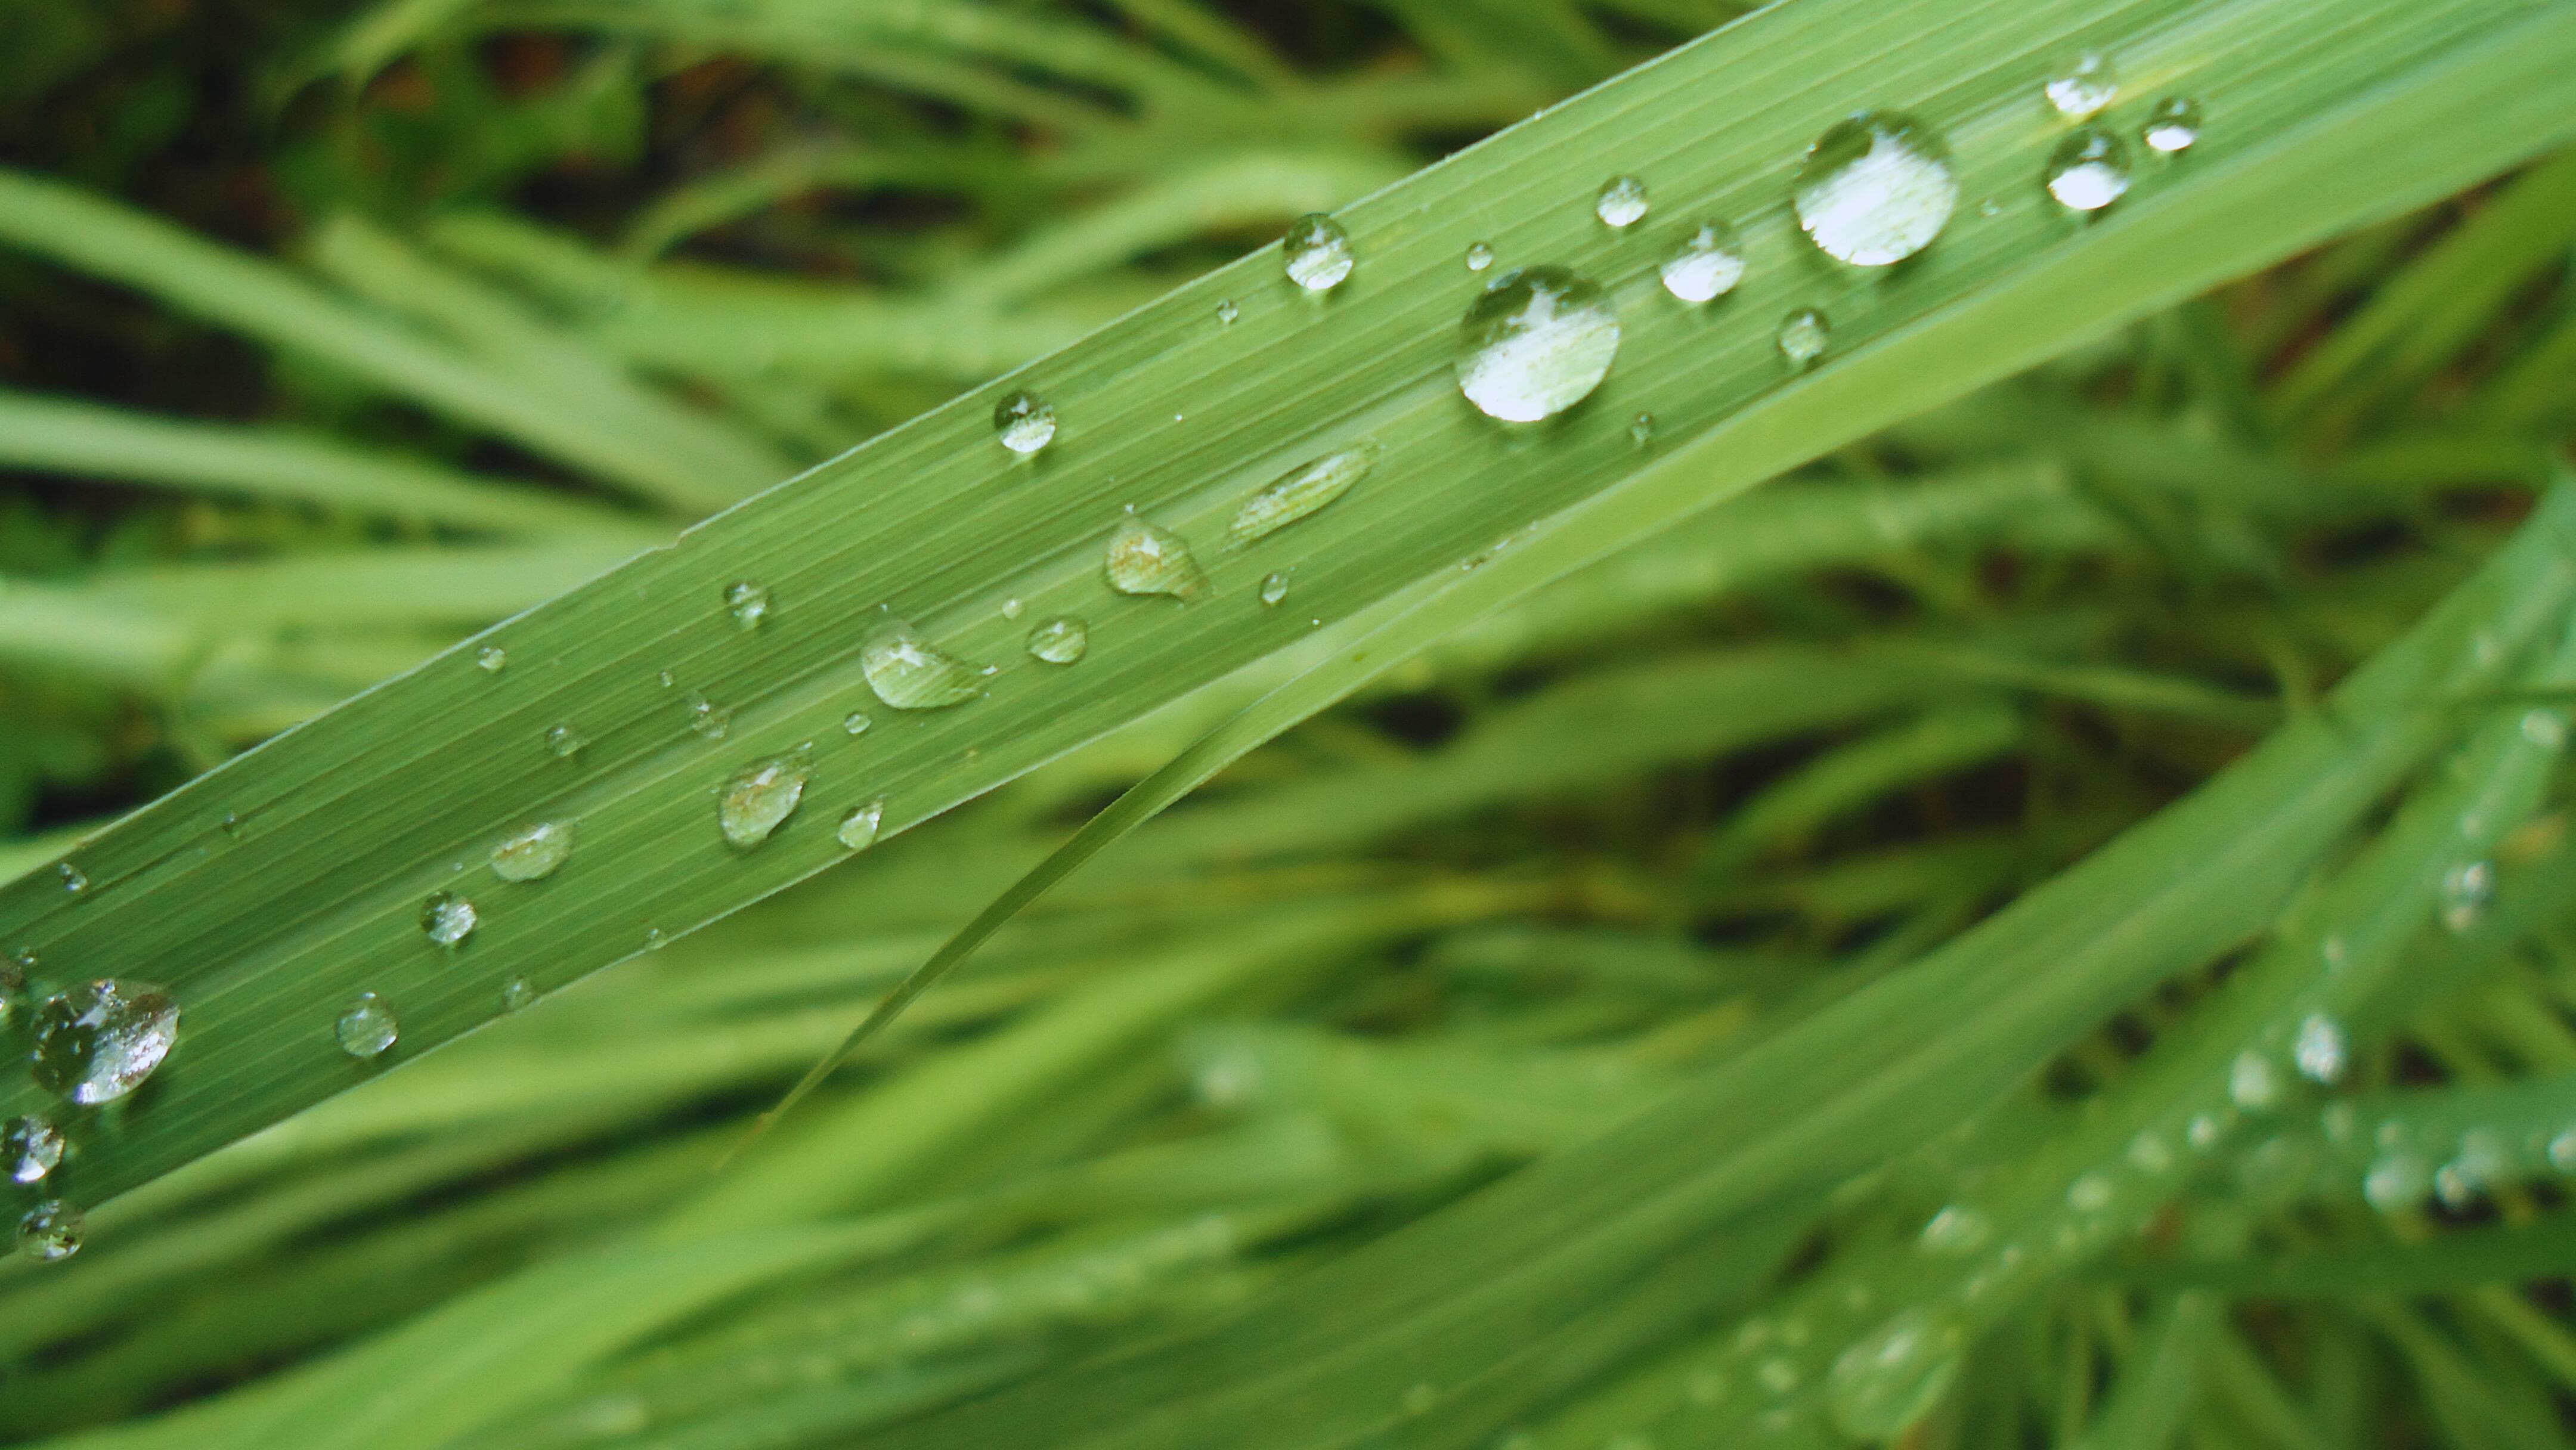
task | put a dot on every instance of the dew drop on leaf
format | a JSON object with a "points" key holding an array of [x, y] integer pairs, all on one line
{"points": [[98, 1042], [2082, 87], [1803, 335], [75, 881], [30, 1147], [858, 828], [2172, 126], [1537, 342], [1274, 588], [367, 1029], [1145, 558], [1301, 491], [756, 801], [517, 994], [1621, 204], [748, 603], [1875, 189], [1641, 429], [1024, 422], [910, 673], [708, 718], [2319, 1050], [492, 659], [1227, 312], [51, 1231], [1894, 1375], [1706, 265], [534, 853], [856, 723], [2089, 170], [563, 742], [1317, 254], [1060, 641], [1479, 256], [448, 919]]}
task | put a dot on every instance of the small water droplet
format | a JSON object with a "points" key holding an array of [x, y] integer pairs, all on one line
{"points": [[665, 679], [1024, 422], [1227, 312], [1990, 208], [534, 853], [1479, 256], [30, 1147], [2320, 1049], [2466, 890], [2089, 1193], [75, 881], [367, 1029], [1641, 429], [1318, 253], [1014, 607], [1537, 342], [1274, 587], [1893, 1376], [856, 723], [1707, 264], [858, 828], [563, 742], [448, 919], [1144, 558], [2172, 126], [51, 1231], [708, 718], [2251, 1082], [654, 940], [492, 659], [1622, 203], [1875, 189], [2084, 86], [2395, 1181], [518, 994], [1803, 335], [748, 603], [910, 673], [1301, 491], [2089, 169], [1956, 1229], [1060, 641], [757, 800], [98, 1042]]}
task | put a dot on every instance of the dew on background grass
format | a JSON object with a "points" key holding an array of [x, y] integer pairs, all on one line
{"points": [[1274, 588], [51, 1231], [1479, 256], [2172, 126], [2545, 728], [1956, 1229], [1060, 641], [447, 919], [2150, 1154], [99, 1041], [2089, 170], [757, 800], [858, 828], [492, 659], [2562, 1151], [1803, 335], [366, 1028], [563, 742], [748, 603], [2252, 1084], [1024, 422], [856, 723], [910, 673], [1317, 254], [1145, 558], [706, 717], [1706, 265], [1875, 189], [534, 853], [30, 1147], [2395, 1182], [75, 880], [2083, 86], [1893, 1376], [2089, 1193], [1535, 343], [2466, 890], [1621, 204], [1301, 491], [2320, 1049]]}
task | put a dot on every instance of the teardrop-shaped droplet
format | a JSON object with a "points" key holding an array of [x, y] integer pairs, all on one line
{"points": [[1803, 335], [1227, 312], [1875, 189], [1622, 203], [748, 603], [534, 853], [1060, 641], [2466, 890], [1318, 253], [1707, 264], [757, 800], [857, 722], [1537, 342], [1024, 422], [75, 881], [563, 742], [2089, 170], [858, 828], [30, 1147], [1274, 587], [910, 673], [367, 1029], [1479, 256], [1301, 491], [2173, 125], [98, 1042], [1893, 1376], [51, 1231], [447, 919], [492, 659], [2083, 86], [1144, 558], [708, 718], [2320, 1049]]}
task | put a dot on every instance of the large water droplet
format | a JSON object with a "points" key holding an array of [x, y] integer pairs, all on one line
{"points": [[367, 1028], [1707, 264], [29, 1149], [1318, 253], [1060, 641], [1622, 203], [2089, 169], [757, 800], [96, 1043], [1479, 256], [492, 659], [2466, 890], [1894, 1376], [708, 718], [858, 828], [2319, 1050], [2081, 88], [448, 919], [1537, 342], [563, 742], [1803, 335], [1301, 491], [1146, 559], [1274, 587], [910, 673], [75, 881], [1875, 189], [51, 1231], [1024, 422], [748, 603], [2172, 126], [534, 853]]}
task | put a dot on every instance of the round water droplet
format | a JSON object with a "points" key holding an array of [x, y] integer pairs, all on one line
{"points": [[2319, 1050], [1956, 1229], [2172, 126], [367, 1029], [51, 1231], [2089, 169], [2251, 1082], [98, 1042], [1060, 641], [748, 603], [1145, 559], [563, 742], [1875, 189], [30, 1147], [708, 718], [1024, 422], [1274, 587], [1318, 253], [1641, 429], [1301, 491], [910, 673], [2083, 86], [75, 881], [2466, 890], [757, 800], [1622, 203], [858, 828], [1892, 1377], [2545, 728], [856, 723], [534, 853], [1227, 312], [1479, 256], [1537, 342], [1803, 335], [1707, 264], [2203, 1132], [492, 659], [448, 919], [2089, 1193], [517, 994], [2395, 1182]]}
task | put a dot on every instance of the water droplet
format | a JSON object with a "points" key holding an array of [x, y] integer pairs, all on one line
{"points": [[1318, 253], [708, 718], [1014, 607], [367, 1029], [1892, 1377], [492, 659], [2083, 87], [1875, 189], [757, 800], [1707, 264], [1622, 203], [518, 994], [1956, 1229], [447, 919], [665, 679], [910, 673], [1227, 312], [1274, 587], [51, 1231], [1060, 641], [2562, 1151], [1778, 1375], [2466, 890], [2150, 1154], [2480, 1162], [96, 1043], [858, 829], [2089, 1193], [654, 940], [75, 881], [2251, 1083], [1641, 429], [2319, 1050], [1479, 256], [2089, 169], [1803, 335], [1301, 491], [2395, 1181], [2173, 125], [2545, 728], [1146, 559], [748, 603], [2203, 1132], [534, 853], [1024, 422], [856, 723], [29, 1148], [564, 742], [1537, 342]]}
